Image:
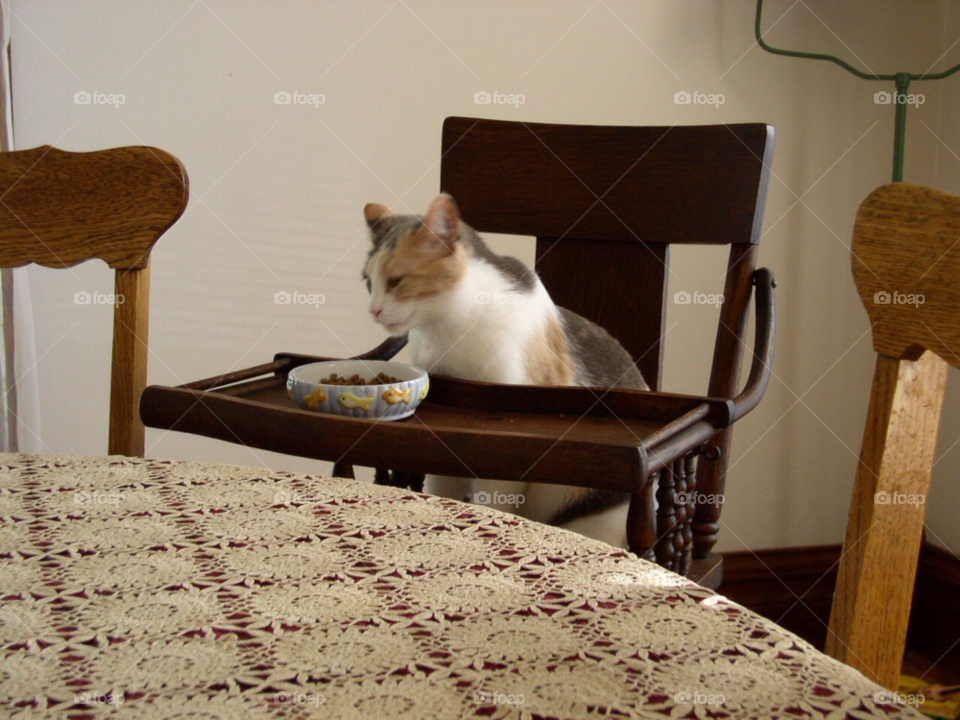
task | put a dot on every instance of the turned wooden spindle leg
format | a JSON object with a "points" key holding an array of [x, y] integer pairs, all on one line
{"points": [[666, 518], [706, 521], [690, 470], [680, 513]]}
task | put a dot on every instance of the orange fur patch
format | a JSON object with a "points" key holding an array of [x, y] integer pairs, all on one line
{"points": [[547, 359], [428, 266]]}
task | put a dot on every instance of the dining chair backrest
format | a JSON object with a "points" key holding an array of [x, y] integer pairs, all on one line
{"points": [[61, 208], [907, 274]]}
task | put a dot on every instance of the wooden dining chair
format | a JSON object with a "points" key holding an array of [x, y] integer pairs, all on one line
{"points": [[61, 208], [907, 271]]}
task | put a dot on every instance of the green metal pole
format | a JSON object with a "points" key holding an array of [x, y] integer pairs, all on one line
{"points": [[900, 101], [900, 128]]}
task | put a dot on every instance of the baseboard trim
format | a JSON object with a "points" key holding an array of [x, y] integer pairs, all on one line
{"points": [[934, 622], [770, 581], [763, 580]]}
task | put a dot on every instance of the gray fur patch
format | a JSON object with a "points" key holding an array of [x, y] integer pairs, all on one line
{"points": [[520, 276], [602, 361], [388, 230]]}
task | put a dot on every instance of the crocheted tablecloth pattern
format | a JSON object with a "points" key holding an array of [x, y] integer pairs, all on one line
{"points": [[164, 589]]}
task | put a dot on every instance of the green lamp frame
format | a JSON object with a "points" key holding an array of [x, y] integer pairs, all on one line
{"points": [[902, 80]]}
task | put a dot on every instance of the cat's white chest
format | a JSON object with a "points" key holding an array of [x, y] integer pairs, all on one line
{"points": [[484, 330], [480, 353]]}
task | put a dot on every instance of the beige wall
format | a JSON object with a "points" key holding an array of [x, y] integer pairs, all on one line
{"points": [[277, 190]]}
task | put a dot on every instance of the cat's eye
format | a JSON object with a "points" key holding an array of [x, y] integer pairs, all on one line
{"points": [[392, 282]]}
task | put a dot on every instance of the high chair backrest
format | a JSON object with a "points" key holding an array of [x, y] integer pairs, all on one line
{"points": [[605, 203]]}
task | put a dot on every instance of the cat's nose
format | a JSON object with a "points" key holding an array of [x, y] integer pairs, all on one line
{"points": [[376, 312]]}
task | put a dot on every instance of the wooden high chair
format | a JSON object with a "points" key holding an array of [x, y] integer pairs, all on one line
{"points": [[907, 271], [61, 208], [605, 204]]}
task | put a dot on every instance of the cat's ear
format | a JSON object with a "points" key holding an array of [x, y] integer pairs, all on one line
{"points": [[374, 213], [442, 220]]}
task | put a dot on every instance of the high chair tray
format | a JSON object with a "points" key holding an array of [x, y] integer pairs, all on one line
{"points": [[462, 428]]}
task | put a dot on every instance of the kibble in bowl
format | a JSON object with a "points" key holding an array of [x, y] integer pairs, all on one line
{"points": [[359, 388], [380, 379]]}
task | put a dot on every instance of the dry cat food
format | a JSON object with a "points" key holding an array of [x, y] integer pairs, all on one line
{"points": [[380, 379]]}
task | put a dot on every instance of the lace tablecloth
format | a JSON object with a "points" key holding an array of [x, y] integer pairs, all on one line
{"points": [[163, 589]]}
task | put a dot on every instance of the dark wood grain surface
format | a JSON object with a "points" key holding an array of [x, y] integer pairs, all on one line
{"points": [[680, 184]]}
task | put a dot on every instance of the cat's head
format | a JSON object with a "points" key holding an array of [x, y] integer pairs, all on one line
{"points": [[415, 261]]}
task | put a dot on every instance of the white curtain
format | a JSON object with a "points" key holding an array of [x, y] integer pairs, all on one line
{"points": [[20, 423]]}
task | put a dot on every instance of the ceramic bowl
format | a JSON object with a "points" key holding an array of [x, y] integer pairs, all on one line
{"points": [[392, 401]]}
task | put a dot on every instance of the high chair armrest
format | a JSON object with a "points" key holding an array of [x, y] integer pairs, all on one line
{"points": [[756, 385]]}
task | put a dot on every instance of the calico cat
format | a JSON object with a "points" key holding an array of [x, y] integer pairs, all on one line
{"points": [[476, 315]]}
